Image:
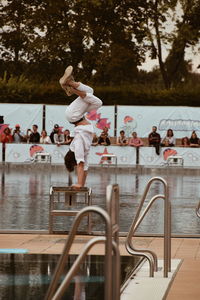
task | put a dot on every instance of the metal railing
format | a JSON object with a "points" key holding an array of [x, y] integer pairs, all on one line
{"points": [[112, 262], [150, 255], [198, 210]]}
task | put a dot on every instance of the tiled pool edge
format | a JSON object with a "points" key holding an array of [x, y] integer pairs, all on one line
{"points": [[141, 286]]}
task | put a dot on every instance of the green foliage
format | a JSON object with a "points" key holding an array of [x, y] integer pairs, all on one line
{"points": [[21, 90]]}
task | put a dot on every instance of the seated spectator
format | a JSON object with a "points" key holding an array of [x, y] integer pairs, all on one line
{"points": [[67, 138], [104, 140], [154, 139], [169, 139], [122, 140], [194, 140], [59, 137], [105, 131], [165, 143], [44, 138], [18, 135], [185, 142], [6, 136], [95, 140], [55, 130], [34, 136], [135, 141]]}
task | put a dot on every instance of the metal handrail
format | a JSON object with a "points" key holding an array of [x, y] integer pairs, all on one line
{"points": [[112, 207], [150, 255], [69, 241], [75, 267], [198, 210]]}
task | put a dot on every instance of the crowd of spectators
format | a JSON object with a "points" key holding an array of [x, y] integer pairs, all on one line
{"points": [[59, 137], [32, 136]]}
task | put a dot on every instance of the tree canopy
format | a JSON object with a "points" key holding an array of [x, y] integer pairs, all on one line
{"points": [[105, 40]]}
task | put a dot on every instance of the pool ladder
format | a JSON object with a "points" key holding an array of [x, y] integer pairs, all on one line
{"points": [[150, 255], [111, 241]]}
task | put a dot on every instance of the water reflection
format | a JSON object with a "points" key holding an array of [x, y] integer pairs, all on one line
{"points": [[27, 276], [24, 202], [2, 185]]}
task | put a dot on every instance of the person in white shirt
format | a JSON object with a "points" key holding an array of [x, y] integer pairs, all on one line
{"points": [[83, 132], [59, 138], [18, 135], [44, 138]]}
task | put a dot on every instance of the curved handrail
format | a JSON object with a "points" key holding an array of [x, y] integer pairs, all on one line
{"points": [[150, 255], [70, 274], [69, 241], [198, 210]]}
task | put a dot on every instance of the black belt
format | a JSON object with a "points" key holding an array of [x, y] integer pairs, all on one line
{"points": [[75, 123]]}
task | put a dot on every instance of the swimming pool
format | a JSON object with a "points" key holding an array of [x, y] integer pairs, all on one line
{"points": [[24, 203], [27, 276]]}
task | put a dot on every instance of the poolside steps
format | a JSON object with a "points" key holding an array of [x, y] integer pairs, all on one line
{"points": [[141, 286]]}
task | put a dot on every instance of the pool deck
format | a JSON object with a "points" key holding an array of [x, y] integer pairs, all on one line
{"points": [[185, 285]]}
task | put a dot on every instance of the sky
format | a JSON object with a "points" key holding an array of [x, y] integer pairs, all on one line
{"points": [[190, 54], [149, 64]]}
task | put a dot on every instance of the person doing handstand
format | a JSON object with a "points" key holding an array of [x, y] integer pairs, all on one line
{"points": [[83, 132]]}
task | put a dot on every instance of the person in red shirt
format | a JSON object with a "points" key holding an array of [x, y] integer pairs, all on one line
{"points": [[6, 136]]}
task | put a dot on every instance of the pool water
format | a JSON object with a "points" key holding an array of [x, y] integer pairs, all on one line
{"points": [[27, 276], [24, 197]]}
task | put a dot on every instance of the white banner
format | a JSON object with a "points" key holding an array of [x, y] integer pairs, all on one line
{"points": [[182, 120], [148, 156], [55, 114], [125, 155], [24, 153], [25, 115]]}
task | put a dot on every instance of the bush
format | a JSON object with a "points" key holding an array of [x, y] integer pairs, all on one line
{"points": [[21, 90]]}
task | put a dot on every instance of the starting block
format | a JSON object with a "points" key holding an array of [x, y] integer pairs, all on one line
{"points": [[42, 157], [111, 159], [175, 160], [66, 198]]}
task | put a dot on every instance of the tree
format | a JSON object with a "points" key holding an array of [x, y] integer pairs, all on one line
{"points": [[185, 16], [92, 35], [15, 31]]}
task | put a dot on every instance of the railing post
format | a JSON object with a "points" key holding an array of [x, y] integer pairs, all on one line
{"points": [[167, 228]]}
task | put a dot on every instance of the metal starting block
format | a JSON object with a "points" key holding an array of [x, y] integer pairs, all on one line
{"points": [[175, 160], [42, 157], [109, 158], [63, 202]]}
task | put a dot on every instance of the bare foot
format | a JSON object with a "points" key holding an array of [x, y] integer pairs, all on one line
{"points": [[76, 186]]}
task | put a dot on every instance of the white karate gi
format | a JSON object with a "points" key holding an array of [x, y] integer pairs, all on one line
{"points": [[83, 134], [76, 110]]}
